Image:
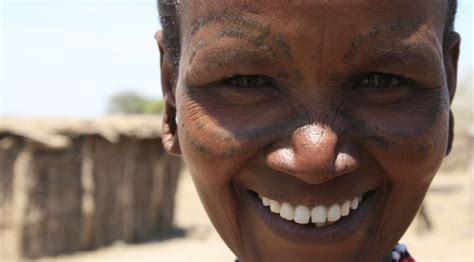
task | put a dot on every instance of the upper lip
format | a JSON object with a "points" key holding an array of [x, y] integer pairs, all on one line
{"points": [[289, 189]]}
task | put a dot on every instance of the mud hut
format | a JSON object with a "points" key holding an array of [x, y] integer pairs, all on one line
{"points": [[69, 185]]}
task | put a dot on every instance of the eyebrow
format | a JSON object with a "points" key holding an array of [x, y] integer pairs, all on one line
{"points": [[242, 59], [222, 17], [403, 52], [240, 27], [239, 56], [415, 59], [411, 53]]}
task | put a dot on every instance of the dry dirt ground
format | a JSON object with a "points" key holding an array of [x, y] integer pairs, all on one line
{"points": [[449, 203]]}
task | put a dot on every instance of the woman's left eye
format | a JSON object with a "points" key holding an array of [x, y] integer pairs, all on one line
{"points": [[248, 81], [381, 81]]}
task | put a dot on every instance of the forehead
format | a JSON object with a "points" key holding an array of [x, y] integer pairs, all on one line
{"points": [[316, 8], [336, 16], [300, 32]]}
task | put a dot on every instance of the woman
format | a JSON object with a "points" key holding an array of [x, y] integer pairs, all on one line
{"points": [[312, 129]]}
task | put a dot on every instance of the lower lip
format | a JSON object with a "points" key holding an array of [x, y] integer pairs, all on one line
{"points": [[306, 234]]}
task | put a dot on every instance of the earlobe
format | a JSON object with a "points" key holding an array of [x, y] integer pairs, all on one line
{"points": [[170, 128], [451, 133]]}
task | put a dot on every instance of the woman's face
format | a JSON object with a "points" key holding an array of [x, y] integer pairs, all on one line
{"points": [[336, 112]]}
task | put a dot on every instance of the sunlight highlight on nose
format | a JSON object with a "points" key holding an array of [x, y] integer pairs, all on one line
{"points": [[312, 135]]}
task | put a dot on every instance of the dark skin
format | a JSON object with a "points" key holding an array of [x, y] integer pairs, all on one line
{"points": [[311, 102]]}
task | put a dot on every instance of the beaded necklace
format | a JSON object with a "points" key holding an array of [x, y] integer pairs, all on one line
{"points": [[399, 254]]}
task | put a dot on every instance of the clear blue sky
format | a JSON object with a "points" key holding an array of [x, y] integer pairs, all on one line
{"points": [[66, 58]]}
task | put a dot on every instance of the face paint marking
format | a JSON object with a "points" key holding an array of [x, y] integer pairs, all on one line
{"points": [[232, 57], [283, 129], [245, 136], [349, 126], [202, 44], [286, 50], [275, 130], [365, 37], [259, 35], [259, 38]]}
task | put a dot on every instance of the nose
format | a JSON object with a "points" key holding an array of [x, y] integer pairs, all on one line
{"points": [[315, 154]]}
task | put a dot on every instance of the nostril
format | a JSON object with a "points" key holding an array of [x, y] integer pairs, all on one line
{"points": [[345, 163], [347, 159], [282, 160]]}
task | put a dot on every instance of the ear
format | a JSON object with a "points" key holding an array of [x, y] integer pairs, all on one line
{"points": [[451, 67], [168, 85]]}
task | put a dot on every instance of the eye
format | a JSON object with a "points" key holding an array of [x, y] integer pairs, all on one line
{"points": [[381, 81], [247, 81]]}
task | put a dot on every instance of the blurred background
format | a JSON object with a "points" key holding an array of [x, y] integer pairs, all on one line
{"points": [[77, 66]]}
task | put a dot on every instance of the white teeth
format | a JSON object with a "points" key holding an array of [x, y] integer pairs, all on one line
{"points": [[265, 201], [302, 214], [334, 213], [319, 215], [287, 212], [345, 208], [355, 203], [275, 206]]}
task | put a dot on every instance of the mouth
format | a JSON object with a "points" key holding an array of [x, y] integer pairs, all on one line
{"points": [[326, 223]]}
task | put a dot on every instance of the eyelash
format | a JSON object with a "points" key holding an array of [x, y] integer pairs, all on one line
{"points": [[247, 81], [379, 81], [373, 80]]}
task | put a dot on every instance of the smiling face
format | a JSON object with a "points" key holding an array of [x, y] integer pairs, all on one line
{"points": [[312, 129]]}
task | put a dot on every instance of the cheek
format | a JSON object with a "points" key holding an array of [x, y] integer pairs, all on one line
{"points": [[408, 140], [216, 132], [413, 158], [208, 142], [409, 161], [214, 159]]}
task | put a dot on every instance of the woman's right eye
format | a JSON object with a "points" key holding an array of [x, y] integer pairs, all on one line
{"points": [[247, 81]]}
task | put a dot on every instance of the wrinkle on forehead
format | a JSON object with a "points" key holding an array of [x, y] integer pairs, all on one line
{"points": [[374, 17]]}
